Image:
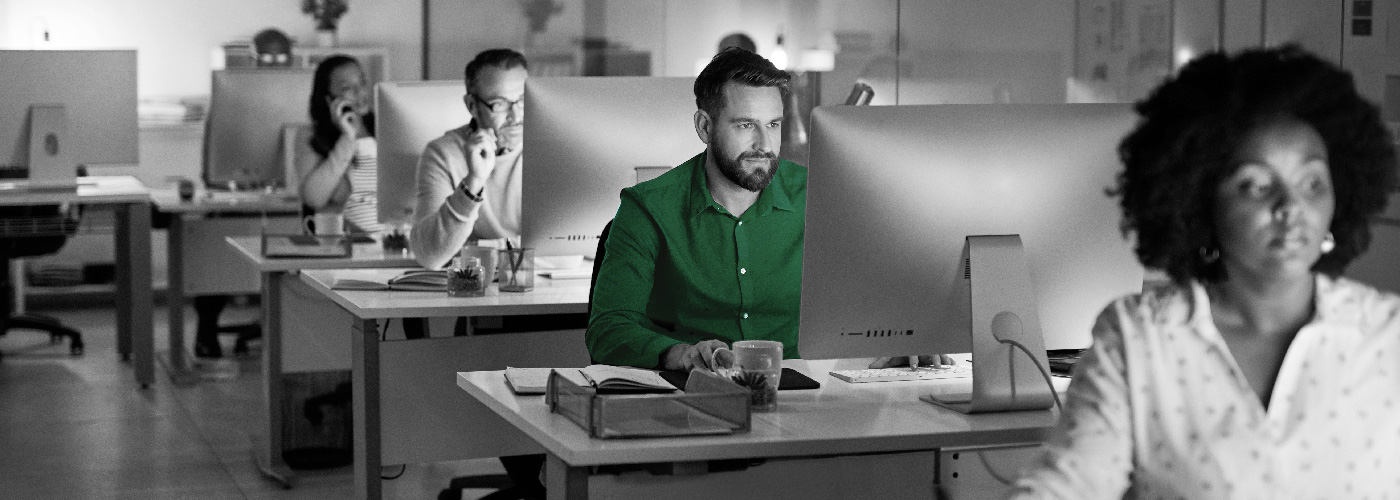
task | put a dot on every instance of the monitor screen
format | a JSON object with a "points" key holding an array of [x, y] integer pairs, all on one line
{"points": [[895, 190], [97, 89], [248, 110], [410, 115], [585, 138]]}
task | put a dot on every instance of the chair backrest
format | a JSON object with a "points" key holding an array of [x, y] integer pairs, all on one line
{"points": [[28, 231], [597, 264]]}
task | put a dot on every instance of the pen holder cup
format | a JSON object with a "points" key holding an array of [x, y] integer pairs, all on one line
{"points": [[517, 269]]}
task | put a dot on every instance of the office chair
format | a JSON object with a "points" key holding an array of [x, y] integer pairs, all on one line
{"points": [[30, 231], [598, 264], [505, 488]]}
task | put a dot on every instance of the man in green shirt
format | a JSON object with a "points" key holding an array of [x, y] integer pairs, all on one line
{"points": [[710, 252]]}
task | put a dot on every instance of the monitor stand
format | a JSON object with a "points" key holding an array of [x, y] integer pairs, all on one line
{"points": [[1001, 299]]}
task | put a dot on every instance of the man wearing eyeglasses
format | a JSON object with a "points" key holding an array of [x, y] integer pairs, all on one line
{"points": [[469, 179]]}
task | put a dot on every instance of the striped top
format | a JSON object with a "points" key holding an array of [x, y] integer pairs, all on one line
{"points": [[362, 207]]}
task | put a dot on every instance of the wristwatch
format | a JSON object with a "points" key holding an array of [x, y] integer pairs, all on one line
{"points": [[478, 197]]}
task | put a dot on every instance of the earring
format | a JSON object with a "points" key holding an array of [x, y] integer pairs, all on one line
{"points": [[1209, 254], [1328, 243]]}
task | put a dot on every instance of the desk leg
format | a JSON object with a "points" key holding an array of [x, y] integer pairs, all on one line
{"points": [[563, 482], [135, 335], [175, 294], [268, 452], [365, 379]]}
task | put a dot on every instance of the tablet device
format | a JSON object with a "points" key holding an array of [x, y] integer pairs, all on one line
{"points": [[791, 380]]}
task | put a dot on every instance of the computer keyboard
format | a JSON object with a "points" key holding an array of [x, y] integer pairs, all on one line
{"points": [[961, 370]]}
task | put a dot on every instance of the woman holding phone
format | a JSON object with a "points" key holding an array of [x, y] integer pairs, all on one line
{"points": [[339, 170]]}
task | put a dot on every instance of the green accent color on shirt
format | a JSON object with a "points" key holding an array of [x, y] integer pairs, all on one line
{"points": [[671, 272]]}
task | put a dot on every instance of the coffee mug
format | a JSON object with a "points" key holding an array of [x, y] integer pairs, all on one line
{"points": [[324, 223]]}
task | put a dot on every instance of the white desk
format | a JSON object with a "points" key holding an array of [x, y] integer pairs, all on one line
{"points": [[407, 408], [210, 274], [862, 421], [276, 341], [131, 201]]}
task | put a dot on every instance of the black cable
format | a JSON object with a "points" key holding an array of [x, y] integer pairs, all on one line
{"points": [[399, 475], [1043, 372], [990, 471], [384, 336]]}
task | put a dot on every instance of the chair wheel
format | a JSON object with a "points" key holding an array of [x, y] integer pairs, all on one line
{"points": [[76, 349]]}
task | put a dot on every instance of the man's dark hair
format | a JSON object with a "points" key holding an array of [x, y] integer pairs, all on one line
{"points": [[740, 66], [499, 58], [1190, 135]]}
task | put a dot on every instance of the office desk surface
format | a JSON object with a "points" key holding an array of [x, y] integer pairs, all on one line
{"points": [[548, 297], [99, 189], [838, 419], [362, 256], [168, 201]]}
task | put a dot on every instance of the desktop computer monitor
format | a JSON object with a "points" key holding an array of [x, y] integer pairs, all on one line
{"points": [[894, 194], [248, 110], [410, 115], [585, 138], [97, 124]]}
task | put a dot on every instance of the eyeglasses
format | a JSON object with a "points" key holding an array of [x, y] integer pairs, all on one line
{"points": [[500, 105]]}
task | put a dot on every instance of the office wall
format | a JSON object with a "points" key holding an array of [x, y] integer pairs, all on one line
{"points": [[175, 38]]}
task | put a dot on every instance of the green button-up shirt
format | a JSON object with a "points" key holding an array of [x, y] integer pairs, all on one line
{"points": [[678, 268]]}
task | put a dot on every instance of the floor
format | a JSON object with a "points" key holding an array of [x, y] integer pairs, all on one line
{"points": [[80, 427]]}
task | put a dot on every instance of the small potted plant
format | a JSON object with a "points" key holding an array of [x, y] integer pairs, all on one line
{"points": [[327, 15]]}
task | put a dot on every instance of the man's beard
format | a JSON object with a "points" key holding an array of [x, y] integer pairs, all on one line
{"points": [[511, 140], [733, 168]]}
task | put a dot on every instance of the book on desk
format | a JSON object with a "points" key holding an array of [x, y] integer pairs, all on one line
{"points": [[605, 378], [413, 280]]}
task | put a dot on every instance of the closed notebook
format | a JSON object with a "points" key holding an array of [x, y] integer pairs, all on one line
{"points": [[528, 380], [416, 280]]}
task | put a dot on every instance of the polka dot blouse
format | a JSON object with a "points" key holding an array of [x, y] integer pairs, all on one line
{"points": [[1159, 409]]}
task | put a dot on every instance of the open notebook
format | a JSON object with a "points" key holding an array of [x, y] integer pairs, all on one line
{"points": [[604, 378], [414, 280]]}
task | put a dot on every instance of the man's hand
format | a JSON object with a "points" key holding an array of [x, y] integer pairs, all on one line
{"points": [[686, 357], [481, 157], [925, 360]]}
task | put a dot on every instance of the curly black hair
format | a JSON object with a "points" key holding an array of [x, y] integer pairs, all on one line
{"points": [[1192, 127]]}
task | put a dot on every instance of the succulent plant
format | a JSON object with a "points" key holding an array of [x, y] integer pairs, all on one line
{"points": [[757, 384]]}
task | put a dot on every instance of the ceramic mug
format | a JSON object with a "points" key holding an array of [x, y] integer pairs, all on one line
{"points": [[324, 223]]}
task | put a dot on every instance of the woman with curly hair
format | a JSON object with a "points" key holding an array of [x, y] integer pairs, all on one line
{"points": [[1258, 372]]}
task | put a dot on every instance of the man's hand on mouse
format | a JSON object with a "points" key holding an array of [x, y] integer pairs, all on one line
{"points": [[686, 357]]}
